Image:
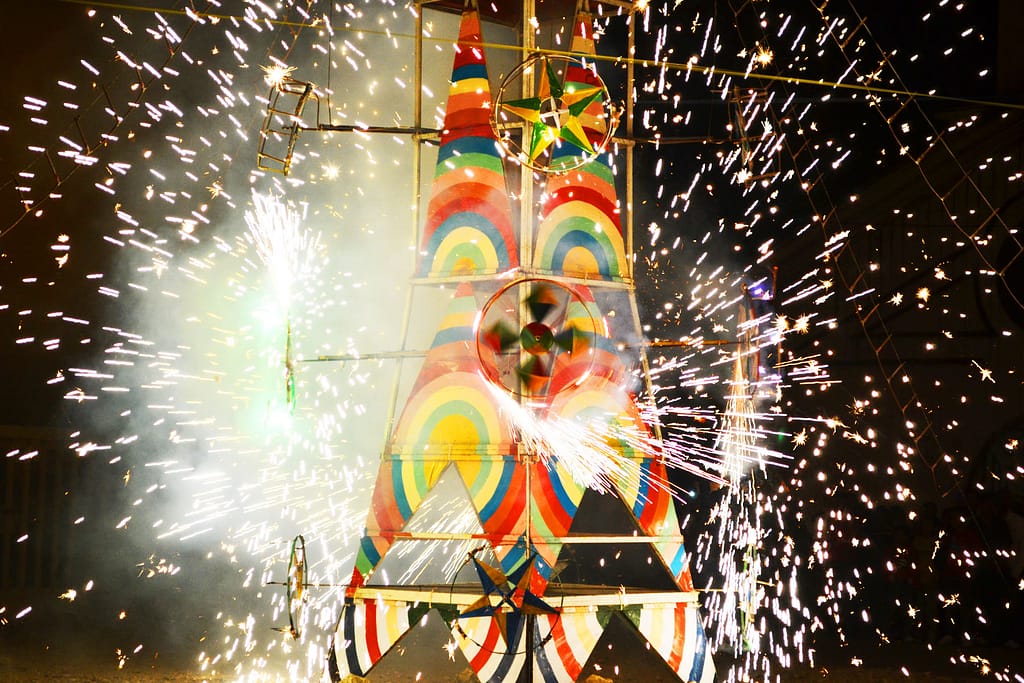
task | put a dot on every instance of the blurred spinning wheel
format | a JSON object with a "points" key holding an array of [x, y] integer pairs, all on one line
{"points": [[295, 587], [525, 326]]}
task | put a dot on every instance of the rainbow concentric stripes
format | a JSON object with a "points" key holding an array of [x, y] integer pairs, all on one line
{"points": [[491, 658], [468, 229], [366, 630], [580, 232], [676, 633], [497, 490], [562, 656]]}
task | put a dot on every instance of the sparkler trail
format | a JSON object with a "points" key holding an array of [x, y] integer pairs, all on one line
{"points": [[829, 285]]}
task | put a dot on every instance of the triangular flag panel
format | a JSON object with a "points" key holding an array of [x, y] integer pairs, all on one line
{"points": [[366, 630], [676, 633], [580, 234], [567, 640], [492, 659], [468, 229]]}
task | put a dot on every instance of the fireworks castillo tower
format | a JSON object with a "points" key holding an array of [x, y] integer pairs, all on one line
{"points": [[529, 392]]}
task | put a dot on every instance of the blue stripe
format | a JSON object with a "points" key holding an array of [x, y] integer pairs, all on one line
{"points": [[678, 562], [556, 485], [465, 71], [397, 486], [515, 557], [641, 497], [507, 469], [579, 238], [700, 652], [467, 145], [351, 655], [450, 335], [369, 550], [332, 665], [462, 219], [541, 657], [505, 666]]}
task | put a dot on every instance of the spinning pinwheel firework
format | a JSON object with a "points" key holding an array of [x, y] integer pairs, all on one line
{"points": [[523, 360]]}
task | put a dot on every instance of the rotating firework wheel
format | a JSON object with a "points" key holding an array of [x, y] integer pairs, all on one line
{"points": [[295, 587], [530, 327], [566, 114]]}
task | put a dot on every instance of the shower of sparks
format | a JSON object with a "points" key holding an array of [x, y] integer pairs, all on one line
{"points": [[291, 255], [276, 74], [826, 441]]}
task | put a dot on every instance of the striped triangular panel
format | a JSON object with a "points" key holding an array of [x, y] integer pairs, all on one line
{"points": [[676, 633], [567, 640], [366, 630], [491, 658]]}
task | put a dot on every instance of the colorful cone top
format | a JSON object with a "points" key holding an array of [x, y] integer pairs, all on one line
{"points": [[580, 233], [469, 229]]}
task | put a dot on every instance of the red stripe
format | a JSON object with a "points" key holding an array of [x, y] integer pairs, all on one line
{"points": [[565, 653], [487, 650], [557, 518], [538, 584], [574, 73], [474, 198], [582, 179], [658, 487], [584, 27], [685, 580], [584, 195], [469, 32], [372, 646], [470, 109], [510, 512], [679, 640], [655, 508], [470, 50], [384, 510], [569, 373]]}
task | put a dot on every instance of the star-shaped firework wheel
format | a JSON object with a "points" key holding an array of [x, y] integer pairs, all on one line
{"points": [[527, 329], [553, 114], [508, 600]]}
